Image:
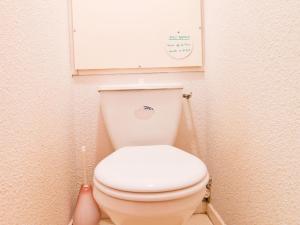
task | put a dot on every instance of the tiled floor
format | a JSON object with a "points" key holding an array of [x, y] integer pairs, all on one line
{"points": [[197, 219]]}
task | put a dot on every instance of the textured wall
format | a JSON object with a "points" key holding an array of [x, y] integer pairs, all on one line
{"points": [[252, 74], [253, 81], [36, 158]]}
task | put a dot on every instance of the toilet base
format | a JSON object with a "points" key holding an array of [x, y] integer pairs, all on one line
{"points": [[174, 212]]}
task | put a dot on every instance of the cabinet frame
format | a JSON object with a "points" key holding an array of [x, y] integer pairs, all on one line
{"points": [[138, 70]]}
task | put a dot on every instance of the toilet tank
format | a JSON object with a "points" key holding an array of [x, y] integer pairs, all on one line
{"points": [[141, 114]]}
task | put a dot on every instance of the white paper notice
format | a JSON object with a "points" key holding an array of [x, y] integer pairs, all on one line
{"points": [[179, 45]]}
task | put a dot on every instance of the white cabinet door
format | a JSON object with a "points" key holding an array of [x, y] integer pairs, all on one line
{"points": [[128, 34]]}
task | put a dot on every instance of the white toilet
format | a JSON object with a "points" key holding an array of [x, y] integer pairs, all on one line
{"points": [[146, 181]]}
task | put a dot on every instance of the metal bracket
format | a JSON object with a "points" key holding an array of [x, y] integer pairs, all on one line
{"points": [[187, 96]]}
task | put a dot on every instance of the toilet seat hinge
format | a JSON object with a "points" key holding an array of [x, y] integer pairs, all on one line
{"points": [[207, 196]]}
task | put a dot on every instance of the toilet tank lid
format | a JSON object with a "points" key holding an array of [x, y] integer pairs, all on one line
{"points": [[156, 168], [140, 86]]}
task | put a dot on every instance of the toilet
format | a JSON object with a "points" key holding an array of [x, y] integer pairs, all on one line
{"points": [[146, 180]]}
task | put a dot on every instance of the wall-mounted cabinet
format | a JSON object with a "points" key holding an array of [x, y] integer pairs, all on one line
{"points": [[136, 36]]}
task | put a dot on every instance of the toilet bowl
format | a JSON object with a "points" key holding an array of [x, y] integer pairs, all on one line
{"points": [[150, 185]]}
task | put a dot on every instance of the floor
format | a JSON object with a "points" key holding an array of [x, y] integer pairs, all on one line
{"points": [[197, 219]]}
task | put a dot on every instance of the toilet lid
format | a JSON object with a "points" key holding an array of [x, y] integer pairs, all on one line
{"points": [[156, 168]]}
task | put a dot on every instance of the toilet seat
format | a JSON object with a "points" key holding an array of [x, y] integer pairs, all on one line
{"points": [[151, 197], [150, 173]]}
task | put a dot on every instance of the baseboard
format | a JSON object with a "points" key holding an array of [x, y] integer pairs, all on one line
{"points": [[214, 216], [71, 222], [211, 212]]}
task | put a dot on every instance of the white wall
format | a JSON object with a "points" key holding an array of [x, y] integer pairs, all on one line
{"points": [[36, 155], [253, 82]]}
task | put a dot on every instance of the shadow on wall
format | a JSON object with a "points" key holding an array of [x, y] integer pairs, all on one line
{"points": [[104, 145], [187, 136]]}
